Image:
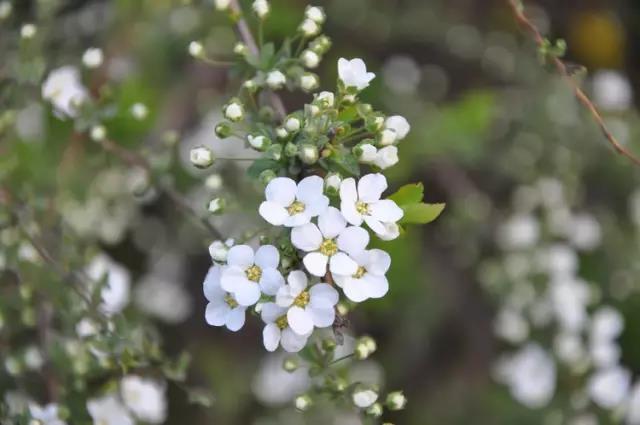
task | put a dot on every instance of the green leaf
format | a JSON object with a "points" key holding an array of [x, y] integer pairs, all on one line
{"points": [[262, 164], [267, 55], [421, 213], [200, 396], [409, 194], [344, 163]]}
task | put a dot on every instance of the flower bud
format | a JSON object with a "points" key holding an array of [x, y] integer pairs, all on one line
{"points": [[326, 99], [366, 152], [195, 49], [28, 31], [258, 142], [320, 45], [139, 111], [365, 347], [276, 80], [364, 397], [290, 364], [250, 85], [292, 124], [316, 14], [213, 182], [222, 4], [375, 410], [387, 137], [328, 344], [240, 49], [282, 133], [266, 176], [349, 99], [92, 58], [332, 183], [234, 111], [386, 157], [310, 59], [311, 110], [98, 133], [290, 150], [217, 205], [309, 28], [218, 251], [223, 130], [396, 400], [261, 8], [201, 157], [309, 82], [399, 125], [303, 402], [309, 154], [275, 152]]}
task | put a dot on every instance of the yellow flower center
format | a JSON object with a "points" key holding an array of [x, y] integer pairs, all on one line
{"points": [[362, 208], [254, 273], [281, 322], [360, 272], [296, 208], [328, 247], [230, 301], [302, 300]]}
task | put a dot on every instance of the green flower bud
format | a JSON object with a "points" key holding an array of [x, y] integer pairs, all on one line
{"points": [[266, 176], [396, 400], [223, 130], [309, 154], [290, 364], [375, 410]]}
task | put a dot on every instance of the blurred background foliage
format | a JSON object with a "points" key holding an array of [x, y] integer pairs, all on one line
{"points": [[487, 118]]}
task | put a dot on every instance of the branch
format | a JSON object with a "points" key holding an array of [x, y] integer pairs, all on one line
{"points": [[247, 37], [518, 13]]}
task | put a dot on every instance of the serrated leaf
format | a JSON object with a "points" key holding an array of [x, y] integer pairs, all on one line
{"points": [[409, 194], [345, 163], [421, 213]]}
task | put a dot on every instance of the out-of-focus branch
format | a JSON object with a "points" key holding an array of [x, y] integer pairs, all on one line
{"points": [[519, 15], [247, 37]]}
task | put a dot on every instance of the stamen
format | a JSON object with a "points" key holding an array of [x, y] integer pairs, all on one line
{"points": [[231, 302], [254, 273], [296, 208], [302, 300], [328, 247], [281, 322], [362, 208], [360, 272]]}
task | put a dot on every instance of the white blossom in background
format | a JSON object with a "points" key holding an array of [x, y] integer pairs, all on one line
{"points": [[92, 58], [606, 326], [63, 88], [277, 330], [274, 386], [609, 387], [369, 281], [570, 298], [353, 73], [223, 309], [363, 203], [162, 298], [315, 13], [115, 292], [139, 111], [559, 261], [330, 242], [45, 415], [109, 410], [511, 326], [402, 74], [530, 374], [261, 8], [145, 398], [364, 397], [633, 406], [249, 274], [612, 90], [310, 59], [222, 4], [28, 31], [307, 307], [584, 232], [290, 204], [518, 232]]}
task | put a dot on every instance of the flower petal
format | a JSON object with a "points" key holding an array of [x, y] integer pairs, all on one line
{"points": [[350, 213], [232, 277], [284, 298], [378, 262], [317, 206], [342, 264], [273, 213], [323, 317], [355, 290], [309, 189], [216, 313], [270, 312], [235, 319], [298, 281], [331, 223], [267, 257], [300, 320], [316, 263], [281, 190], [371, 186], [241, 256], [376, 286], [376, 225], [297, 219], [386, 211], [323, 295], [211, 285], [271, 337], [306, 237], [353, 240], [247, 294], [348, 192], [292, 342], [271, 281]]}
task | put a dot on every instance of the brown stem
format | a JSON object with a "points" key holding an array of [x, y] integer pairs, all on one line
{"points": [[521, 18]]}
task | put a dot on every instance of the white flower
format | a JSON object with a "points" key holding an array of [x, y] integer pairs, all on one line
{"points": [[108, 410], [261, 8], [139, 111], [240, 48], [309, 82], [399, 125], [364, 204], [326, 98], [86, 328], [64, 89], [258, 142], [369, 280], [292, 124], [353, 73], [222, 4], [93, 58], [115, 292], [201, 157], [277, 330], [633, 406], [223, 309], [608, 388], [606, 326], [247, 274], [33, 358], [310, 59], [98, 133], [315, 13], [216, 205], [145, 398], [276, 79], [386, 157], [518, 232], [234, 111], [28, 31], [196, 49], [612, 90], [293, 205], [330, 242], [45, 415], [364, 397], [569, 297], [309, 28], [307, 307], [5, 9], [368, 153]]}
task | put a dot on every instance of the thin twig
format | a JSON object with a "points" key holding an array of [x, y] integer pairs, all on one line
{"points": [[247, 37], [518, 12]]}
